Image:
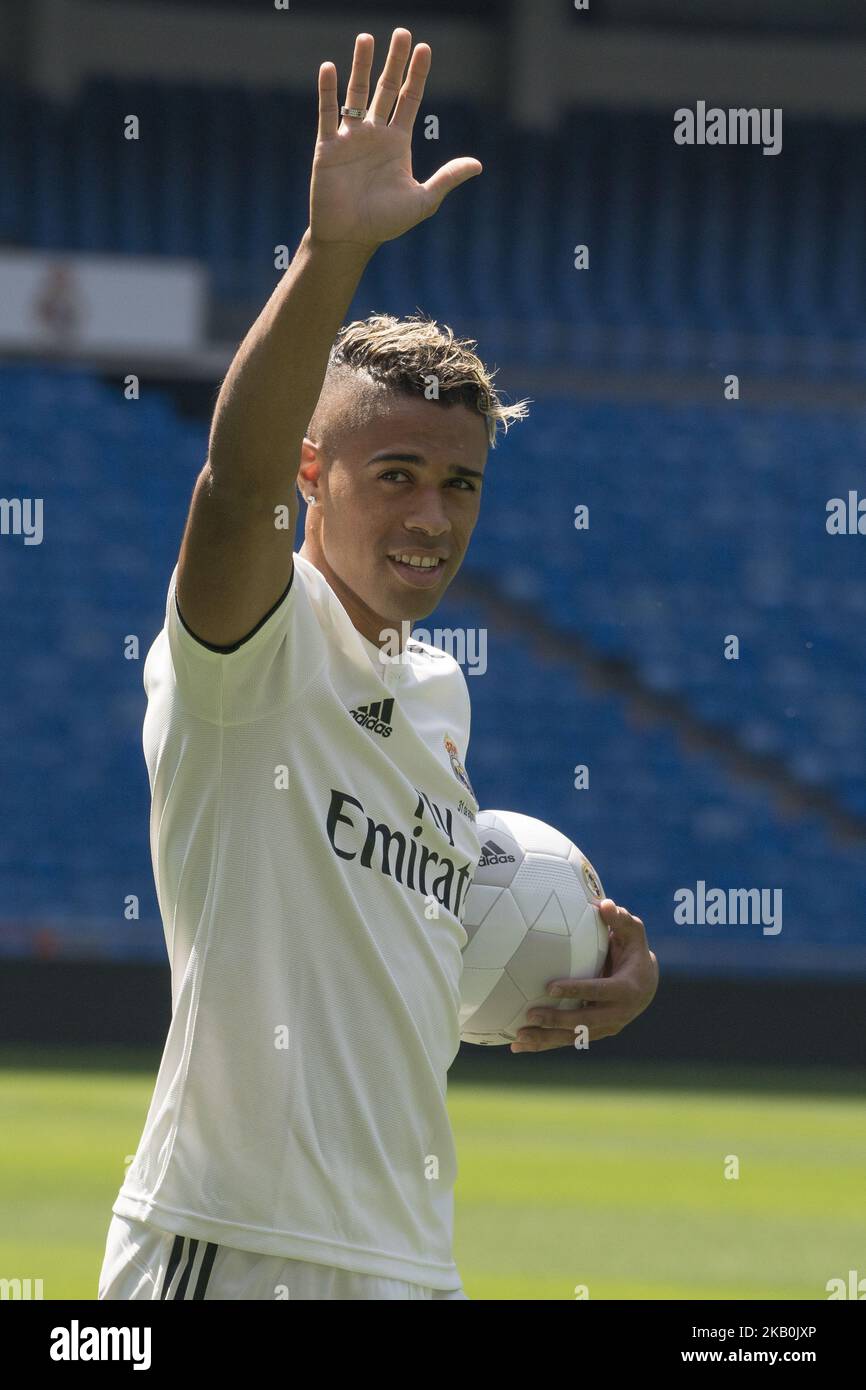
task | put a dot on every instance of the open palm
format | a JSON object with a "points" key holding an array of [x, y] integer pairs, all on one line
{"points": [[362, 188]]}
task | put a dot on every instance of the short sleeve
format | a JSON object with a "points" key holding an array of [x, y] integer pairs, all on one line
{"points": [[266, 671]]}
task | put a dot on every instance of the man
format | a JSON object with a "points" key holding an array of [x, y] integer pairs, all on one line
{"points": [[312, 837]]}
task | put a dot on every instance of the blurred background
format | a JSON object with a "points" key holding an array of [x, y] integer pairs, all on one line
{"points": [[697, 385]]}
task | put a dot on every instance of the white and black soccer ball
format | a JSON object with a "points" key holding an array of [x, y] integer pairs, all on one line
{"points": [[531, 916]]}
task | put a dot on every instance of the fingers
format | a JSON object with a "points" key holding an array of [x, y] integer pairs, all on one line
{"points": [[594, 991], [449, 177], [412, 91], [392, 75], [554, 1028], [543, 1039], [356, 94], [618, 917], [329, 110], [532, 1043], [591, 1015], [358, 90]]}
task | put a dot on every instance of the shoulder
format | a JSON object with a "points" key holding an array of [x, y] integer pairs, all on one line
{"points": [[440, 678], [238, 684], [425, 655], [433, 664]]}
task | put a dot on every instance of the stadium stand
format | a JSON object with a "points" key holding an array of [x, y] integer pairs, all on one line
{"points": [[679, 242], [703, 522]]}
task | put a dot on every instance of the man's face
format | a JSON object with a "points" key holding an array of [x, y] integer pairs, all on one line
{"points": [[407, 484]]}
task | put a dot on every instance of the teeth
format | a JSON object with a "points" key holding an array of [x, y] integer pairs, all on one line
{"points": [[424, 562]]}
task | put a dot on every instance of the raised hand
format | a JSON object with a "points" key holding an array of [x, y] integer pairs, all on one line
{"points": [[362, 189]]}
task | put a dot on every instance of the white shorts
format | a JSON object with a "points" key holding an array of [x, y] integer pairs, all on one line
{"points": [[145, 1264]]}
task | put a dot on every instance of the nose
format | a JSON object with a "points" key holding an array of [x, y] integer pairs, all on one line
{"points": [[428, 513]]}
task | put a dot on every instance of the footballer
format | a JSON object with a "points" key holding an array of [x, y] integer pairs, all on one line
{"points": [[311, 865]]}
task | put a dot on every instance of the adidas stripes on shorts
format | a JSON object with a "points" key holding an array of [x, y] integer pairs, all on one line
{"points": [[144, 1264]]}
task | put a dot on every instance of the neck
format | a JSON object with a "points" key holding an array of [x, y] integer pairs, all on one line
{"points": [[368, 623]]}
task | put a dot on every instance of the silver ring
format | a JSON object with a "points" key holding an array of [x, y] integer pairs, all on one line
{"points": [[359, 111]]}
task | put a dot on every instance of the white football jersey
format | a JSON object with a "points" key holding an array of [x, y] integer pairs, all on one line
{"points": [[313, 840]]}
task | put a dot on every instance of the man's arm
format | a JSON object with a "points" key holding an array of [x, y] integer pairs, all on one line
{"points": [[235, 563]]}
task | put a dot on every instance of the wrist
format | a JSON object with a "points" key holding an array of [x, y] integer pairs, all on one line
{"points": [[344, 252]]}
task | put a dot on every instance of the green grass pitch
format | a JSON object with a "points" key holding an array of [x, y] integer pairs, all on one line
{"points": [[614, 1181]]}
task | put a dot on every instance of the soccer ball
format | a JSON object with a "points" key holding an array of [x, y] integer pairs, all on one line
{"points": [[531, 916]]}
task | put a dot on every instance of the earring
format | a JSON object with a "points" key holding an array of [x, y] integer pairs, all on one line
{"points": [[311, 501]]}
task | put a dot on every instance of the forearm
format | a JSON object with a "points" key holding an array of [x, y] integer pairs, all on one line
{"points": [[272, 386], [236, 554]]}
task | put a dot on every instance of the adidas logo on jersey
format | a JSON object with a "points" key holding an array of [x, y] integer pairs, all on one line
{"points": [[492, 853], [376, 716]]}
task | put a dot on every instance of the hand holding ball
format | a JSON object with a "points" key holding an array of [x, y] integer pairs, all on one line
{"points": [[531, 917]]}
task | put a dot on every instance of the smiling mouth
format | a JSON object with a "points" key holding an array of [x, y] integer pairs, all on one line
{"points": [[422, 571]]}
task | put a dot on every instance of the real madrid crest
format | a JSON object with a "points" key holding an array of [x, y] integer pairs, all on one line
{"points": [[591, 879], [459, 770]]}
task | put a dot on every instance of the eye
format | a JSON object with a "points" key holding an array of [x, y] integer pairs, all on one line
{"points": [[398, 474]]}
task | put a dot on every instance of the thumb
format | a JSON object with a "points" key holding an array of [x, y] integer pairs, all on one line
{"points": [[449, 177]]}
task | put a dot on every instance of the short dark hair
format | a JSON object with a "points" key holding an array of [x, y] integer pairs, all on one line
{"points": [[384, 355]]}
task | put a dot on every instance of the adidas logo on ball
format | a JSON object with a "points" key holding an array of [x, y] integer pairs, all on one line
{"points": [[530, 917], [491, 853], [376, 716]]}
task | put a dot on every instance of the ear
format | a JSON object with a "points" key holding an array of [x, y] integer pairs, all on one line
{"points": [[310, 468]]}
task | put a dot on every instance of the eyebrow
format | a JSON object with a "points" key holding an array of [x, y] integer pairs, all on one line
{"points": [[457, 468]]}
